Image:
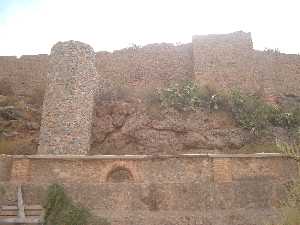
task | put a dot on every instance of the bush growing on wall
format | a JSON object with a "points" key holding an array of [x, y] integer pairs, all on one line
{"points": [[183, 96], [289, 120], [61, 210], [251, 112], [188, 96]]}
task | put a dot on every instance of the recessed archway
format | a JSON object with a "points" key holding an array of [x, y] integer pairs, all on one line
{"points": [[119, 174]]}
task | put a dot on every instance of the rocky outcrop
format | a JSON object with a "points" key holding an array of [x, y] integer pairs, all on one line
{"points": [[128, 128], [19, 126], [138, 127]]}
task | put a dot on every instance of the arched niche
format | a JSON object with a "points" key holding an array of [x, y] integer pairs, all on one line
{"points": [[119, 175]]}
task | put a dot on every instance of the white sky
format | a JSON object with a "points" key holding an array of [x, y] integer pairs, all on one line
{"points": [[33, 26]]}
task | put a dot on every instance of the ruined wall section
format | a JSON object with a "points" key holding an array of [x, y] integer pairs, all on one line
{"points": [[278, 74], [136, 70], [140, 70], [69, 100], [229, 62], [225, 61], [26, 75]]}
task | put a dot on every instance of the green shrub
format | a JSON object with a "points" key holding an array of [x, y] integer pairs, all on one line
{"points": [[253, 113], [250, 111], [292, 150], [188, 96], [289, 120], [183, 96], [2, 190], [291, 208], [60, 210]]}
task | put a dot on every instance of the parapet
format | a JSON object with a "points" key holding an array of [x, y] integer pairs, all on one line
{"points": [[239, 39]]}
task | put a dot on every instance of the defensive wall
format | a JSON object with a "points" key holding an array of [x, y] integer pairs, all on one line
{"points": [[69, 100], [180, 189], [224, 61]]}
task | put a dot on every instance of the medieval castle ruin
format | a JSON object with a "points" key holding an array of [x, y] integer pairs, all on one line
{"points": [[139, 185]]}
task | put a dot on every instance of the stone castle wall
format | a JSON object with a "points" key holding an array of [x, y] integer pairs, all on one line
{"points": [[229, 61], [224, 61], [140, 70], [69, 100], [27, 75], [162, 189], [182, 189]]}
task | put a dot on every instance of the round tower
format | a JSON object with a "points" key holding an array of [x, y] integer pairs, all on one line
{"points": [[69, 100]]}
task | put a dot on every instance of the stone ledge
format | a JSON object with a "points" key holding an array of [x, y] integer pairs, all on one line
{"points": [[144, 157]]}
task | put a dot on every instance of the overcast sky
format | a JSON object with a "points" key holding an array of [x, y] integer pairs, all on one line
{"points": [[33, 26]]}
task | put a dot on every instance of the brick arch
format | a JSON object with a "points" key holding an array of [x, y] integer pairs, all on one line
{"points": [[119, 174], [122, 167]]}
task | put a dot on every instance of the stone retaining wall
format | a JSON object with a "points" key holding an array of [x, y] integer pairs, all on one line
{"points": [[182, 189]]}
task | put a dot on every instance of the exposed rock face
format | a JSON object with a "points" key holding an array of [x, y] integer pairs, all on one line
{"points": [[19, 126], [127, 128], [69, 100]]}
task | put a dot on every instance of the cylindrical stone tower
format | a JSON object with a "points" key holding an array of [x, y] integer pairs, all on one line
{"points": [[69, 100]]}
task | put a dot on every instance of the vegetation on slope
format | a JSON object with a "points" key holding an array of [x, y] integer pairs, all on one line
{"points": [[291, 207], [188, 96], [61, 210], [20, 117], [250, 112]]}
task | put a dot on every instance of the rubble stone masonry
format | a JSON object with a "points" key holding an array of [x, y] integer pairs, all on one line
{"points": [[229, 62], [180, 189], [69, 100], [225, 61], [153, 190]]}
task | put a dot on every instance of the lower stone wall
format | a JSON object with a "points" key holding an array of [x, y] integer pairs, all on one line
{"points": [[5, 167], [184, 189], [237, 203]]}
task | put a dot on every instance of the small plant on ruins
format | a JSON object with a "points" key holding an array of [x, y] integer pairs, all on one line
{"points": [[291, 207], [272, 51], [250, 111], [189, 96], [60, 209], [184, 96], [134, 46], [292, 150], [287, 119], [253, 113], [2, 190]]}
